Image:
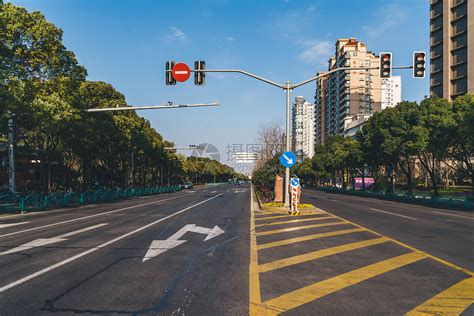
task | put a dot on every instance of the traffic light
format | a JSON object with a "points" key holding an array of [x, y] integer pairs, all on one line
{"points": [[169, 77], [419, 61], [199, 76], [385, 65]]}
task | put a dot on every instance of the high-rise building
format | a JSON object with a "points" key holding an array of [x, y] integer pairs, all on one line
{"points": [[391, 91], [344, 97], [303, 122], [451, 48], [320, 110]]}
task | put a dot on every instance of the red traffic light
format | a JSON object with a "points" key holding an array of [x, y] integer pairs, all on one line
{"points": [[386, 57], [420, 56]]}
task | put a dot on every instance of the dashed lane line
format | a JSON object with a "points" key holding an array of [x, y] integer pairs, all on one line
{"points": [[308, 237], [455, 215], [395, 214], [294, 221], [452, 301], [12, 224], [310, 256], [290, 229], [317, 290]]}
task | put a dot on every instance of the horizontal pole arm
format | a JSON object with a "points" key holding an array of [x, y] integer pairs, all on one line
{"points": [[244, 73], [152, 107]]}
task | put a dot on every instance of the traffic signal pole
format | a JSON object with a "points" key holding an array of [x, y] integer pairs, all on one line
{"points": [[287, 87]]}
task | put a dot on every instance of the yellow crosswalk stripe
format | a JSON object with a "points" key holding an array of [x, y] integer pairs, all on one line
{"points": [[294, 221], [290, 229], [452, 301], [286, 215], [317, 290], [319, 254], [308, 237]]}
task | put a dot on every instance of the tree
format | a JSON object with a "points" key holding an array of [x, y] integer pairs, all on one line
{"points": [[271, 140], [436, 124]]}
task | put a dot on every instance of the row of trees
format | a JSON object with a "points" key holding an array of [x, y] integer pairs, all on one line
{"points": [[45, 90], [415, 144]]}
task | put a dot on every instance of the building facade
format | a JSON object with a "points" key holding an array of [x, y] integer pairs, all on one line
{"points": [[302, 132], [391, 91], [346, 97], [451, 48]]}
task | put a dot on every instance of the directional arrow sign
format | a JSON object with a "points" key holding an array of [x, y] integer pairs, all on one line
{"points": [[47, 241], [159, 246], [288, 159]]}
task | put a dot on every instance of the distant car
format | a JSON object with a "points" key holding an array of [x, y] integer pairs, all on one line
{"points": [[188, 185]]}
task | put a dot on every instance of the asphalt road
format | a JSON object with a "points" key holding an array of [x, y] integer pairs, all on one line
{"points": [[91, 259], [213, 251]]}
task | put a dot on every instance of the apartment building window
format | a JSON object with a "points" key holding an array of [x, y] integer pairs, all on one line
{"points": [[459, 11], [459, 71], [459, 86], [459, 26], [459, 56], [459, 41], [436, 23], [436, 9], [436, 51], [436, 37], [437, 90]]}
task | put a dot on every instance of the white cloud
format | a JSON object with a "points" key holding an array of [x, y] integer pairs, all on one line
{"points": [[311, 8], [176, 33], [229, 38], [316, 51], [396, 15]]}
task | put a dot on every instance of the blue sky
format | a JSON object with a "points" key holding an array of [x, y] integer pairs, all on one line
{"points": [[126, 43]]}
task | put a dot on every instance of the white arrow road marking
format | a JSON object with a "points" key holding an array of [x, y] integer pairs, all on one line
{"points": [[101, 246], [12, 224], [159, 246], [46, 241], [289, 160], [181, 72]]}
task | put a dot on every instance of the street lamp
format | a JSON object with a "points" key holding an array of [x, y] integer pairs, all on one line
{"points": [[169, 105]]}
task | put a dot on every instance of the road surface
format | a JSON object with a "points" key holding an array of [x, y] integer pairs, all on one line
{"points": [[212, 251]]}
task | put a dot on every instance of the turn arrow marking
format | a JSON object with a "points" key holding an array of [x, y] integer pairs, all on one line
{"points": [[159, 246], [47, 241]]}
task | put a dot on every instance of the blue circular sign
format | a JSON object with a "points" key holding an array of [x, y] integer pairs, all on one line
{"points": [[288, 159], [295, 182]]}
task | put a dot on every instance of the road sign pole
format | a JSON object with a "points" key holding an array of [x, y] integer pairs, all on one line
{"points": [[288, 139]]}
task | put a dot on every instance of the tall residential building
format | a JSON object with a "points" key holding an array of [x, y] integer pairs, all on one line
{"points": [[302, 132], [345, 96], [451, 48], [391, 91], [320, 110]]}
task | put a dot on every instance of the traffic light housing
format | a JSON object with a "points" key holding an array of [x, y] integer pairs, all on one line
{"points": [[419, 64], [385, 65], [168, 75], [199, 76]]}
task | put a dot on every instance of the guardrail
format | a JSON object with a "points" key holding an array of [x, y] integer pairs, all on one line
{"points": [[414, 198], [38, 201]]}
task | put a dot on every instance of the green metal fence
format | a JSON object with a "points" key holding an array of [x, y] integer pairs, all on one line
{"points": [[38, 201], [454, 202]]}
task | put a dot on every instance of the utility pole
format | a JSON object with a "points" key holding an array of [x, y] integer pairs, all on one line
{"points": [[11, 154]]}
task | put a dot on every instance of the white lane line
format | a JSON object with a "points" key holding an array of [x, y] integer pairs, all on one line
{"points": [[213, 191], [90, 216], [82, 254], [377, 210], [12, 224], [471, 218], [333, 200], [47, 241]]}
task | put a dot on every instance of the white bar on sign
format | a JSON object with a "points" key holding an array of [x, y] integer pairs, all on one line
{"points": [[181, 72]]}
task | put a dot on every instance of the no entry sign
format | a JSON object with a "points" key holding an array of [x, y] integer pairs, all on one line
{"points": [[181, 72]]}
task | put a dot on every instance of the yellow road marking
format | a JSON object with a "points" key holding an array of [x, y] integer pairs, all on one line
{"points": [[308, 237], [285, 215], [447, 263], [254, 279], [290, 229], [294, 221], [317, 290], [319, 254], [452, 301]]}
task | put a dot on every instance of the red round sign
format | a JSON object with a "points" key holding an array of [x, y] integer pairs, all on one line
{"points": [[181, 72]]}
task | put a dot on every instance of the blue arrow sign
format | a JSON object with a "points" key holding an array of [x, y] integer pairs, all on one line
{"points": [[295, 182], [288, 159]]}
